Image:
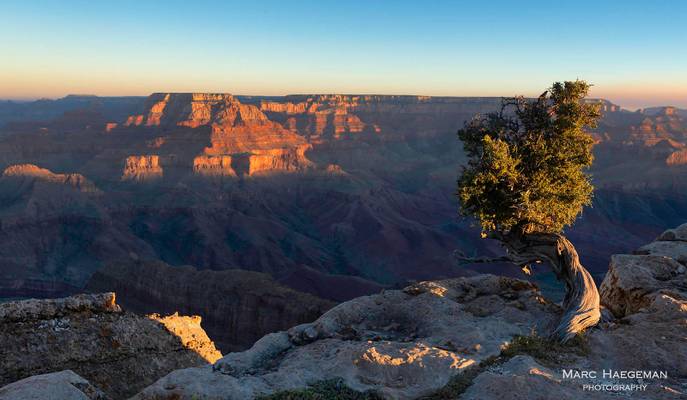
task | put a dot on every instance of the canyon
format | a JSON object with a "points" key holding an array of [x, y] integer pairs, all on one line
{"points": [[330, 196]]}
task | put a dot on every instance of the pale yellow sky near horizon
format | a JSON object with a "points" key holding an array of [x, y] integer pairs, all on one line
{"points": [[631, 97]]}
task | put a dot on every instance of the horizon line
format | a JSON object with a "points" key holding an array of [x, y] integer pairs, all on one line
{"points": [[39, 98]]}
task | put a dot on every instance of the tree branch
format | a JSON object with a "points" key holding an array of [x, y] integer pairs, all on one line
{"points": [[463, 259], [520, 262]]}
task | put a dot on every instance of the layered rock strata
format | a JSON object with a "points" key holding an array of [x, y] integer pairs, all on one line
{"points": [[118, 352], [34, 172], [142, 168]]}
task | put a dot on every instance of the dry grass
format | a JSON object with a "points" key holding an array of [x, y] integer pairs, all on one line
{"points": [[546, 351], [326, 390]]}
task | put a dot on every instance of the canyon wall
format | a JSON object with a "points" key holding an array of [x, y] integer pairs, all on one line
{"points": [[34, 172], [237, 307], [142, 168]]}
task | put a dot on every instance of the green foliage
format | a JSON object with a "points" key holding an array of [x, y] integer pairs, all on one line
{"points": [[326, 390], [528, 163], [547, 351]]}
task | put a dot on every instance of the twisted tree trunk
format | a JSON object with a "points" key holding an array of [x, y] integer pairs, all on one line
{"points": [[581, 303]]}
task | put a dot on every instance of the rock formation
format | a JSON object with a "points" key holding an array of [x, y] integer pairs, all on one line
{"points": [[30, 171], [677, 158], [327, 117], [142, 168], [118, 352], [237, 131], [319, 115], [214, 166], [238, 307], [279, 160], [664, 124], [63, 385]]}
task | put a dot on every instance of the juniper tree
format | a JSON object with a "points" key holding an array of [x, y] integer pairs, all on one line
{"points": [[527, 179]]}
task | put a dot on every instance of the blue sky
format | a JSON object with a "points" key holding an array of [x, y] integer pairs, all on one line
{"points": [[632, 51]]}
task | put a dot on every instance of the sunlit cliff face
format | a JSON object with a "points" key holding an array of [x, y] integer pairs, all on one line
{"points": [[31, 171], [243, 140]]}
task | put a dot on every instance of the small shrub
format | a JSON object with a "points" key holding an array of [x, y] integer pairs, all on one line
{"points": [[546, 351]]}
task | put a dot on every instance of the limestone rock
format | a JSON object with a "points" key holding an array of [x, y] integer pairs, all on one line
{"points": [[214, 166], [190, 334], [279, 160], [31, 171], [63, 385], [677, 158], [634, 281], [675, 249], [35, 310], [404, 344], [142, 168], [679, 233], [118, 352]]}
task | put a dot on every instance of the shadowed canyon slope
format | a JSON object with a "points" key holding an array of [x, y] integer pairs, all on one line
{"points": [[334, 195], [238, 307]]}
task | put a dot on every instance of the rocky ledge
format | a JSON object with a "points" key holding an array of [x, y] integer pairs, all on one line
{"points": [[401, 343], [118, 352], [472, 338], [480, 337]]}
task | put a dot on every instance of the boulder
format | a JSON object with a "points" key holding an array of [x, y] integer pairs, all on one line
{"points": [[632, 281], [63, 385], [679, 234]]}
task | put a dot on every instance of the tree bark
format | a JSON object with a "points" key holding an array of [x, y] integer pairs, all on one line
{"points": [[581, 302]]}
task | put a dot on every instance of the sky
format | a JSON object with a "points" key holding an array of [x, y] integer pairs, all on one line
{"points": [[633, 52]]}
